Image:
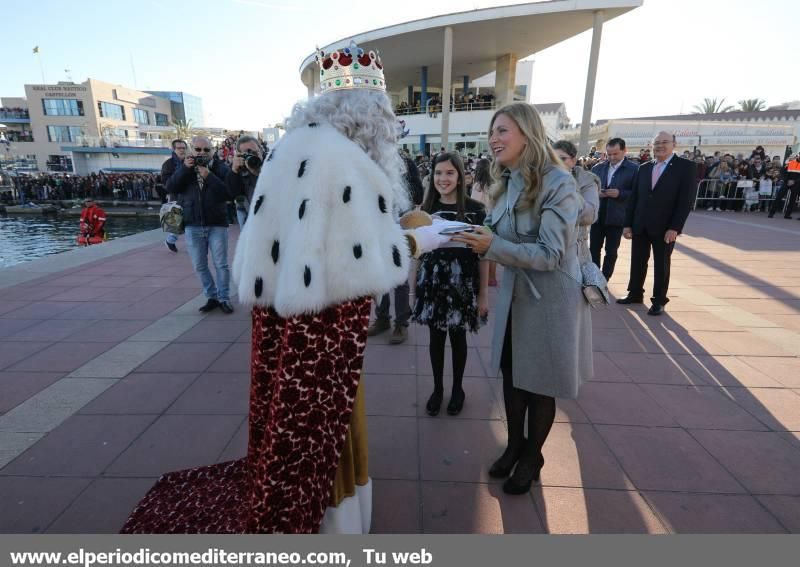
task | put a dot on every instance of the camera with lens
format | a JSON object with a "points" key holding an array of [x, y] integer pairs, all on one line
{"points": [[251, 160], [201, 160]]}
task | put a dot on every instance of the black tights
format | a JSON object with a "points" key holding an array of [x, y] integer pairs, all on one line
{"points": [[458, 342], [541, 410]]}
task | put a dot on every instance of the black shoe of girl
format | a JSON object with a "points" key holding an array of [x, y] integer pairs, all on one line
{"points": [[456, 403], [525, 474], [434, 403], [503, 466]]}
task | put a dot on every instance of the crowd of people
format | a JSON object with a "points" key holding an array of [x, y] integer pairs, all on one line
{"points": [[118, 186], [433, 105]]}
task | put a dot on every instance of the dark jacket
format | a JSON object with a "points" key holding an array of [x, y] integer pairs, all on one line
{"points": [[654, 211], [612, 211], [202, 207], [241, 185]]}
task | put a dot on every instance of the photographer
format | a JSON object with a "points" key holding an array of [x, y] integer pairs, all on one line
{"points": [[199, 182], [242, 177]]}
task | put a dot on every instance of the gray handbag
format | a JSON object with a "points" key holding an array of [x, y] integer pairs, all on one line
{"points": [[595, 285]]}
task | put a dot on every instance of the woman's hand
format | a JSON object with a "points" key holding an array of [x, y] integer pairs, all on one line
{"points": [[483, 304], [479, 241]]}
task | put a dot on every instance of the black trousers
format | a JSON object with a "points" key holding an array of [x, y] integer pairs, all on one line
{"points": [[611, 236], [793, 190], [640, 256], [402, 309]]}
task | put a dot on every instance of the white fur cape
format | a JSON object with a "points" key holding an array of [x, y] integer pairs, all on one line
{"points": [[321, 228]]}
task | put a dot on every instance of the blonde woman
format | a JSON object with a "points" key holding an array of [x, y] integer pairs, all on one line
{"points": [[542, 338]]}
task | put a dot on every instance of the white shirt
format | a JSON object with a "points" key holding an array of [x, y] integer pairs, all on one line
{"points": [[612, 169]]}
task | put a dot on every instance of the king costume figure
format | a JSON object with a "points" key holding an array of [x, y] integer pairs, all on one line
{"points": [[321, 241]]}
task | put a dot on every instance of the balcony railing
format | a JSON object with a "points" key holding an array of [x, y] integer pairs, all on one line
{"points": [[15, 136], [434, 108], [119, 142], [14, 114]]}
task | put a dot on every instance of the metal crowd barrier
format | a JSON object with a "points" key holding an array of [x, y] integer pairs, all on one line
{"points": [[725, 195]]}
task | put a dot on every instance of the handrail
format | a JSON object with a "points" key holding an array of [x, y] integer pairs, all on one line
{"points": [[437, 108]]}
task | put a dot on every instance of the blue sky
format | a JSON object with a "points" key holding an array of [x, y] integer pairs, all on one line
{"points": [[242, 56]]}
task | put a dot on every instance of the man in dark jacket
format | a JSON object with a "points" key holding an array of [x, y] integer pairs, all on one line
{"points": [[167, 169], [243, 175], [658, 206], [199, 181], [616, 176]]}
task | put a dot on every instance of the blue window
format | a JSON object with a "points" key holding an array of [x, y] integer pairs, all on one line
{"points": [[63, 133], [162, 119], [141, 116], [61, 107], [113, 111]]}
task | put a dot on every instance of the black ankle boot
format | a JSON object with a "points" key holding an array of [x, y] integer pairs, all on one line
{"points": [[503, 466], [525, 474], [434, 403], [456, 403]]}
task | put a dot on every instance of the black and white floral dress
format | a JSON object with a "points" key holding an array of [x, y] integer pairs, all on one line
{"points": [[448, 279]]}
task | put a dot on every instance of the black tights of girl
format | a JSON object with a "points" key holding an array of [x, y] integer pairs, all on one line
{"points": [[526, 454], [458, 343]]}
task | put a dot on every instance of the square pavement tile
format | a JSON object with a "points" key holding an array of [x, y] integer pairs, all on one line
{"points": [[704, 407], [390, 394], [712, 513], [235, 359], [176, 442], [61, 357], [786, 509], [105, 331], [396, 507], [765, 463], [739, 344], [391, 359], [33, 292], [81, 446], [93, 310], [459, 450], [593, 511], [30, 504], [41, 310], [658, 458], [215, 393], [8, 306], [607, 370], [784, 370], [213, 330], [16, 387], [480, 402], [186, 357], [140, 394], [778, 408], [52, 330], [620, 340], [576, 456], [237, 446], [103, 507], [393, 448], [9, 327], [13, 352], [473, 367], [148, 309], [621, 404], [731, 371], [658, 368], [476, 508]]}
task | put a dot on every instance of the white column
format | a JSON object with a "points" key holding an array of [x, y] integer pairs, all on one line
{"points": [[446, 83], [588, 99], [505, 79]]}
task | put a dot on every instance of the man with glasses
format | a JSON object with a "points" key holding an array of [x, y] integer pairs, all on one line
{"points": [[660, 201], [167, 169], [199, 180]]}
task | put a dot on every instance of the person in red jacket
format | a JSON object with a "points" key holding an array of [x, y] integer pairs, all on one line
{"points": [[93, 220]]}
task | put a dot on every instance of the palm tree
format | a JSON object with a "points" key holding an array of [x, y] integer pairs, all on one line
{"points": [[752, 105], [712, 106], [183, 129]]}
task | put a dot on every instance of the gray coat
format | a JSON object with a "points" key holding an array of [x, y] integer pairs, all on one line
{"points": [[551, 328], [589, 190]]}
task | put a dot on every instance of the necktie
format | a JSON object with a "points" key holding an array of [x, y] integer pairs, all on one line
{"points": [[656, 173]]}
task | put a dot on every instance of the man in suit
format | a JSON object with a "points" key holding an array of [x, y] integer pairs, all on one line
{"points": [[657, 209], [616, 176]]}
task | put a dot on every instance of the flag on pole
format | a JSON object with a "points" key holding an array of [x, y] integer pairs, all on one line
{"points": [[36, 49]]}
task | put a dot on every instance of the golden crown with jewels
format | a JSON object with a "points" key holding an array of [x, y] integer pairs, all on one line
{"points": [[350, 68]]}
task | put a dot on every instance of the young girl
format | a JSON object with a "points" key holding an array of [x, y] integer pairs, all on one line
{"points": [[451, 291]]}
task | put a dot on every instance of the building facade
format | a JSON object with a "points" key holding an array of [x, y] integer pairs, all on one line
{"points": [[185, 107], [79, 127]]}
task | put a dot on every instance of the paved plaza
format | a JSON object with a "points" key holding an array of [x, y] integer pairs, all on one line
{"points": [[110, 377]]}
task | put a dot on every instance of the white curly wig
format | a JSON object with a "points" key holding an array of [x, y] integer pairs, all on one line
{"points": [[365, 117]]}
